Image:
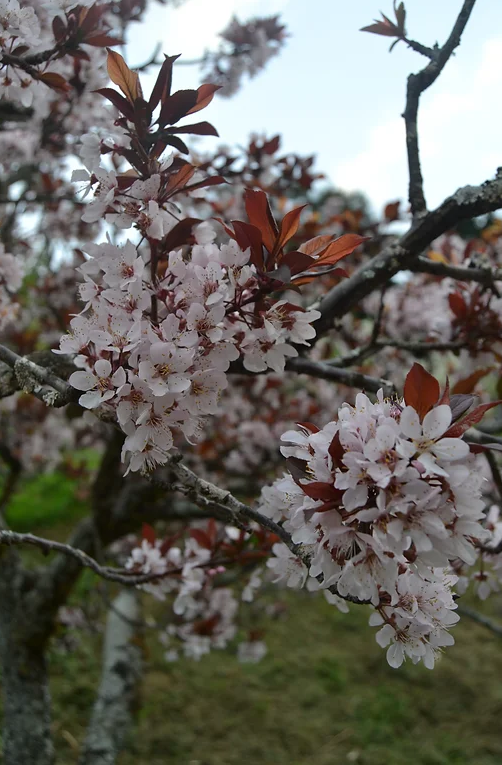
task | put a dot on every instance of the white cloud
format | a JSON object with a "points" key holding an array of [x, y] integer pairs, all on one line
{"points": [[459, 128], [197, 22]]}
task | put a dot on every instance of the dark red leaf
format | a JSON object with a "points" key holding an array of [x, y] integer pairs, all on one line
{"points": [[400, 13], [121, 75], [177, 143], [58, 29], [120, 103], [445, 396], [205, 95], [102, 40], [180, 179], [201, 538], [309, 426], [382, 28], [180, 234], [148, 533], [421, 390], [480, 448], [198, 128], [391, 211], [297, 262], [211, 180], [468, 384], [477, 414], [177, 106], [289, 227], [54, 81], [246, 236], [319, 490], [336, 450], [340, 248], [162, 88], [457, 304], [316, 245], [260, 215]]}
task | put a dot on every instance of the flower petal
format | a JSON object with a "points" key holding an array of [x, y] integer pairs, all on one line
{"points": [[437, 421]]}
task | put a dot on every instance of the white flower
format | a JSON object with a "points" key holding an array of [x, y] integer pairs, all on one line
{"points": [[100, 385], [426, 441]]}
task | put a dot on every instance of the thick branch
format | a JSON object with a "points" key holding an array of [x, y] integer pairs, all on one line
{"points": [[348, 377], [241, 512], [467, 202], [36, 379]]}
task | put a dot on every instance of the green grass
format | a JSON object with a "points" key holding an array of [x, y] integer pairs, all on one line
{"points": [[48, 499], [323, 695]]}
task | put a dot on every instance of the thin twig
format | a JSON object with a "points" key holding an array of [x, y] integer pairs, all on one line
{"points": [[417, 84], [495, 470], [481, 619], [486, 276], [49, 545]]}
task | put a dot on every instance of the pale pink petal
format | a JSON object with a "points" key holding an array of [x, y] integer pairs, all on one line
{"points": [[103, 368], [83, 380], [90, 400], [410, 423], [450, 449], [437, 421]]}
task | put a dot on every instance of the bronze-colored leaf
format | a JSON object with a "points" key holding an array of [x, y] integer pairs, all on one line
{"points": [[121, 75]]}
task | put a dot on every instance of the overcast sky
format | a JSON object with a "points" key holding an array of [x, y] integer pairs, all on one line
{"points": [[338, 93]]}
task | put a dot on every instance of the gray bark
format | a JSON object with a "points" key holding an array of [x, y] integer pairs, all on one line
{"points": [[27, 705], [27, 736], [117, 696]]}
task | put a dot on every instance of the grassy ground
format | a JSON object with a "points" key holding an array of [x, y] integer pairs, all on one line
{"points": [[323, 696]]}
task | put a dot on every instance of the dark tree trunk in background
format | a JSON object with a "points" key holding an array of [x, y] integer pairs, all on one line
{"points": [[27, 705]]}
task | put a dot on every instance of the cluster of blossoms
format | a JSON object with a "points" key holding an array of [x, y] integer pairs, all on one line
{"points": [[246, 49], [19, 26], [239, 448], [164, 319], [205, 612], [382, 500], [169, 370], [11, 277], [37, 45], [486, 576]]}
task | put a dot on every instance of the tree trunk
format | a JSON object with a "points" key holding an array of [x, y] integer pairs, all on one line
{"points": [[27, 705], [117, 696]]}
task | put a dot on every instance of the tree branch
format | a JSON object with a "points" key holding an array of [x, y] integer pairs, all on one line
{"points": [[38, 380], [401, 255], [487, 276], [417, 84], [481, 619], [349, 377], [241, 512], [121, 576]]}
